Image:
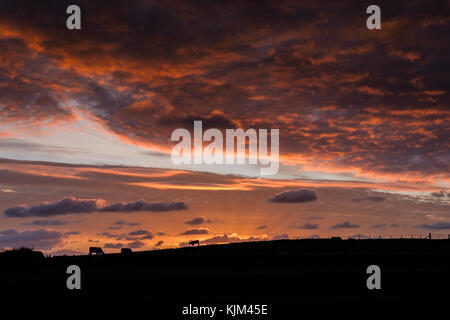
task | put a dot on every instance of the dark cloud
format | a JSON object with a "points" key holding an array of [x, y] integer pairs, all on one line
{"points": [[73, 205], [116, 245], [283, 236], [65, 206], [142, 205], [123, 222], [369, 198], [345, 225], [27, 93], [159, 243], [44, 223], [294, 196], [394, 225], [8, 232], [135, 244], [140, 234], [309, 226], [261, 227], [197, 221], [379, 226], [107, 235], [195, 231], [143, 234], [436, 226], [160, 233], [36, 239], [71, 233]]}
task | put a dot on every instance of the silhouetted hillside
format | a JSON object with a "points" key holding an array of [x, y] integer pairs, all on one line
{"points": [[286, 274], [23, 254]]}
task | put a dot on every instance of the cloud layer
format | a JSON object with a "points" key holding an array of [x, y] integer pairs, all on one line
{"points": [[197, 221], [294, 196], [309, 226], [436, 226], [73, 205], [143, 69], [37, 239], [195, 231], [345, 225]]}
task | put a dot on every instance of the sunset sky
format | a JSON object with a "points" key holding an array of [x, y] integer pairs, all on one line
{"points": [[86, 118]]}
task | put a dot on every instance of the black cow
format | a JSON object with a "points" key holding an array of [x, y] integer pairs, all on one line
{"points": [[95, 250], [126, 251], [194, 242]]}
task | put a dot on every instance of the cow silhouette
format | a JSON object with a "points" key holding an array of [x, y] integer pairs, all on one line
{"points": [[95, 250], [194, 242], [126, 251]]}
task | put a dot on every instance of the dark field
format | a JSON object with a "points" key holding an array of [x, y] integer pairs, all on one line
{"points": [[291, 276]]}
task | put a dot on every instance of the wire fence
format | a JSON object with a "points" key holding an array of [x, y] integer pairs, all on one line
{"points": [[422, 236]]}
